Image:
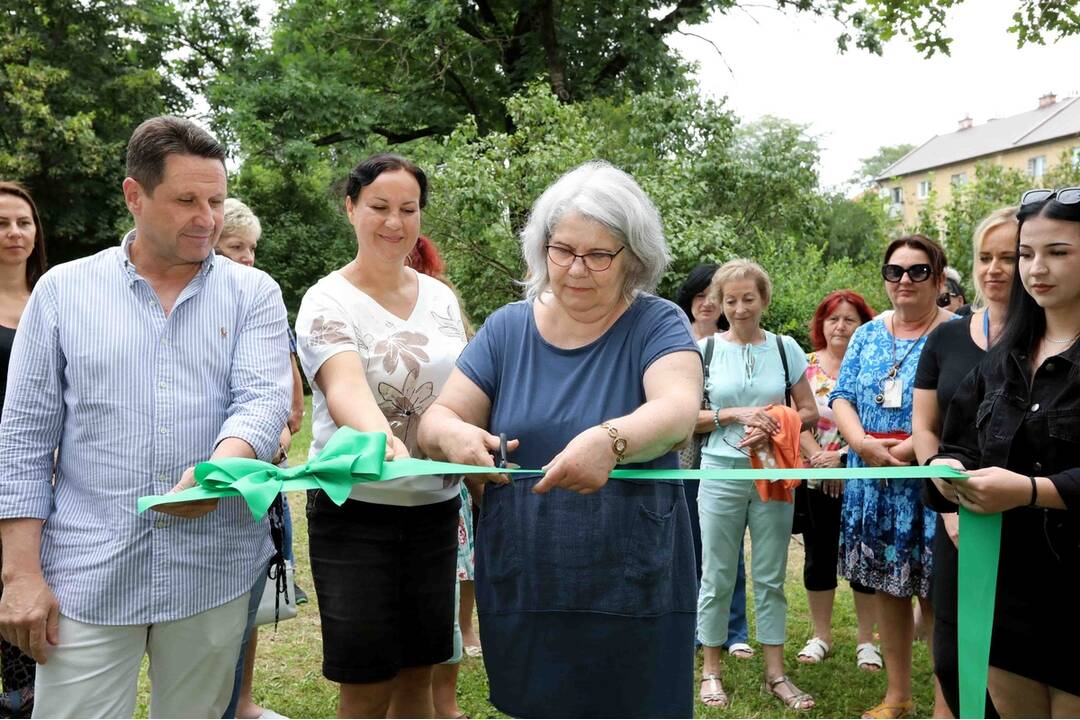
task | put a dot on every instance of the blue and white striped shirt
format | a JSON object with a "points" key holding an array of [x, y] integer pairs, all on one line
{"points": [[130, 398]]}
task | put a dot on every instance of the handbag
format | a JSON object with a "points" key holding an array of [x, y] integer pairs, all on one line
{"points": [[277, 602]]}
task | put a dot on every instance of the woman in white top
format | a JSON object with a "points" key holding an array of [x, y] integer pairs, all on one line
{"points": [[377, 341]]}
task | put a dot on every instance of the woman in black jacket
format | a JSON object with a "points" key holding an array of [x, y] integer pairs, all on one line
{"points": [[1017, 420]]}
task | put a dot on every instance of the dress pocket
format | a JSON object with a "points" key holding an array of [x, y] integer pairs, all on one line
{"points": [[649, 549], [497, 547]]}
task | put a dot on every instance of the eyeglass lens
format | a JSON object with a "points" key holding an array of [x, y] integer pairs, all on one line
{"points": [[917, 273], [595, 261]]}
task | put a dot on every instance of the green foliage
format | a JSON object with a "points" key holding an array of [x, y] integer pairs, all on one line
{"points": [[1034, 20], [75, 79], [993, 187], [872, 167], [723, 191], [855, 229]]}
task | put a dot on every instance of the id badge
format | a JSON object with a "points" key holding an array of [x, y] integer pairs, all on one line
{"points": [[892, 392]]}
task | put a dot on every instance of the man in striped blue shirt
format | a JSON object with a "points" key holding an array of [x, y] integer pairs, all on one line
{"points": [[129, 367]]}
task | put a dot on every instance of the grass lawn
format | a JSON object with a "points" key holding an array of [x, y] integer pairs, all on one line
{"points": [[288, 677]]}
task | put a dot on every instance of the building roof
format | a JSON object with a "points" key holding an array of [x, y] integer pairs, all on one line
{"points": [[1056, 120]]}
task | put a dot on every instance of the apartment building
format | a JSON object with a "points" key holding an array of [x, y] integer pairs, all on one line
{"points": [[1032, 142]]}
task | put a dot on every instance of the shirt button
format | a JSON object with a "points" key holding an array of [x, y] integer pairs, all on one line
{"points": [[1037, 466], [160, 523], [165, 341], [1035, 407], [1049, 366], [163, 431], [162, 477], [161, 385]]}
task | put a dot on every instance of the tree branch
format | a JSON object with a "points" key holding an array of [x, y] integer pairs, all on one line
{"points": [[392, 136], [556, 70], [470, 102], [683, 10], [714, 47]]}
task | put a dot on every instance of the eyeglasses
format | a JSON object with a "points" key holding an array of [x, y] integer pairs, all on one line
{"points": [[916, 273], [594, 261], [1064, 196], [744, 451]]}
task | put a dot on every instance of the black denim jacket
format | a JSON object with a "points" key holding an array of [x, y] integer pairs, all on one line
{"points": [[1001, 417]]}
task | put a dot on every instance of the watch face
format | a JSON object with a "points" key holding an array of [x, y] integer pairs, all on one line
{"points": [[620, 446]]}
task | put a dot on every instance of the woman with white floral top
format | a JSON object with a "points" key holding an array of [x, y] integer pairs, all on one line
{"points": [[377, 341]]}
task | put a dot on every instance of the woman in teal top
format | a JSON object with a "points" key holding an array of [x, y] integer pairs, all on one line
{"points": [[746, 376]]}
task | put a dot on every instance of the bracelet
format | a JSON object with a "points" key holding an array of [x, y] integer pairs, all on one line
{"points": [[618, 443], [1034, 492], [716, 418]]}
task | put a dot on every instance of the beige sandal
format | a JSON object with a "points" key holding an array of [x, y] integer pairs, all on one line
{"points": [[714, 696], [796, 699]]}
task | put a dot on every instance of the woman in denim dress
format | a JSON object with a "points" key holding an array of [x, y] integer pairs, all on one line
{"points": [[585, 587]]}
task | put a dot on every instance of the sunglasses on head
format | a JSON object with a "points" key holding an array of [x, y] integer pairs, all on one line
{"points": [[1064, 196], [916, 273]]}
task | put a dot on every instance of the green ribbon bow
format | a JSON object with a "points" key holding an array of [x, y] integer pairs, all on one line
{"points": [[351, 457]]}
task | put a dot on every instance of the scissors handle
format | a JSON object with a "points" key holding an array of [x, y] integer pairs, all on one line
{"points": [[502, 459]]}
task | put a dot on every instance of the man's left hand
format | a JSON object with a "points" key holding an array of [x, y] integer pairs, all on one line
{"points": [[191, 509]]}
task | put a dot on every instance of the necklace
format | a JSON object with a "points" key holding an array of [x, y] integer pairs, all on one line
{"points": [[1066, 341], [890, 376]]}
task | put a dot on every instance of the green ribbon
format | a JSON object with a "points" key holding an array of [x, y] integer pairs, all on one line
{"points": [[351, 457], [980, 540]]}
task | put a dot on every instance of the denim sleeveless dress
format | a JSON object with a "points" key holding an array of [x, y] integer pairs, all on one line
{"points": [[587, 602]]}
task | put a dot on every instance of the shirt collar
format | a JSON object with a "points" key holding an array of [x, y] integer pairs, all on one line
{"points": [[129, 267], [1071, 355]]}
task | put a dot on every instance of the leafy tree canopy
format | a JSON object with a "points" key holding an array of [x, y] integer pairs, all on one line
{"points": [[872, 167], [75, 79]]}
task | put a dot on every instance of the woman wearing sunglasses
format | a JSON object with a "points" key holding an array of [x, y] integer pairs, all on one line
{"points": [[887, 532], [1017, 419], [950, 354]]}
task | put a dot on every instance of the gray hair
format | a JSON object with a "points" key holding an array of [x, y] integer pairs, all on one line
{"points": [[240, 220], [600, 192]]}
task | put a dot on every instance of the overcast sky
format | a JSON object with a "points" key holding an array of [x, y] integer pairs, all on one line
{"points": [[787, 65]]}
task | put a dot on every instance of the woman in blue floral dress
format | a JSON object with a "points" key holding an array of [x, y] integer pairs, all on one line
{"points": [[887, 532]]}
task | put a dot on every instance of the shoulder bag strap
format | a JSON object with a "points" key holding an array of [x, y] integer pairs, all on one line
{"points": [[709, 345], [787, 379]]}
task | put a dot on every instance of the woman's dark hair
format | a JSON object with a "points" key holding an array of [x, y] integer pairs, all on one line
{"points": [[36, 264], [696, 282], [365, 173], [1026, 321], [928, 246]]}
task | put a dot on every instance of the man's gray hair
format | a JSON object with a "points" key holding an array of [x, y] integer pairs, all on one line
{"points": [[600, 192]]}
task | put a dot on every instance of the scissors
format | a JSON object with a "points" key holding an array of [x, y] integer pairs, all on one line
{"points": [[502, 457]]}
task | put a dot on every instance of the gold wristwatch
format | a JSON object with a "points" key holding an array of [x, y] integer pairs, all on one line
{"points": [[618, 442]]}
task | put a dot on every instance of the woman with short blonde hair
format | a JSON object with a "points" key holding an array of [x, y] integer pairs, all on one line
{"points": [[751, 371]]}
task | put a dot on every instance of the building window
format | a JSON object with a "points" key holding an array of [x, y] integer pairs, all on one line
{"points": [[958, 179], [924, 190], [1037, 166], [896, 195]]}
